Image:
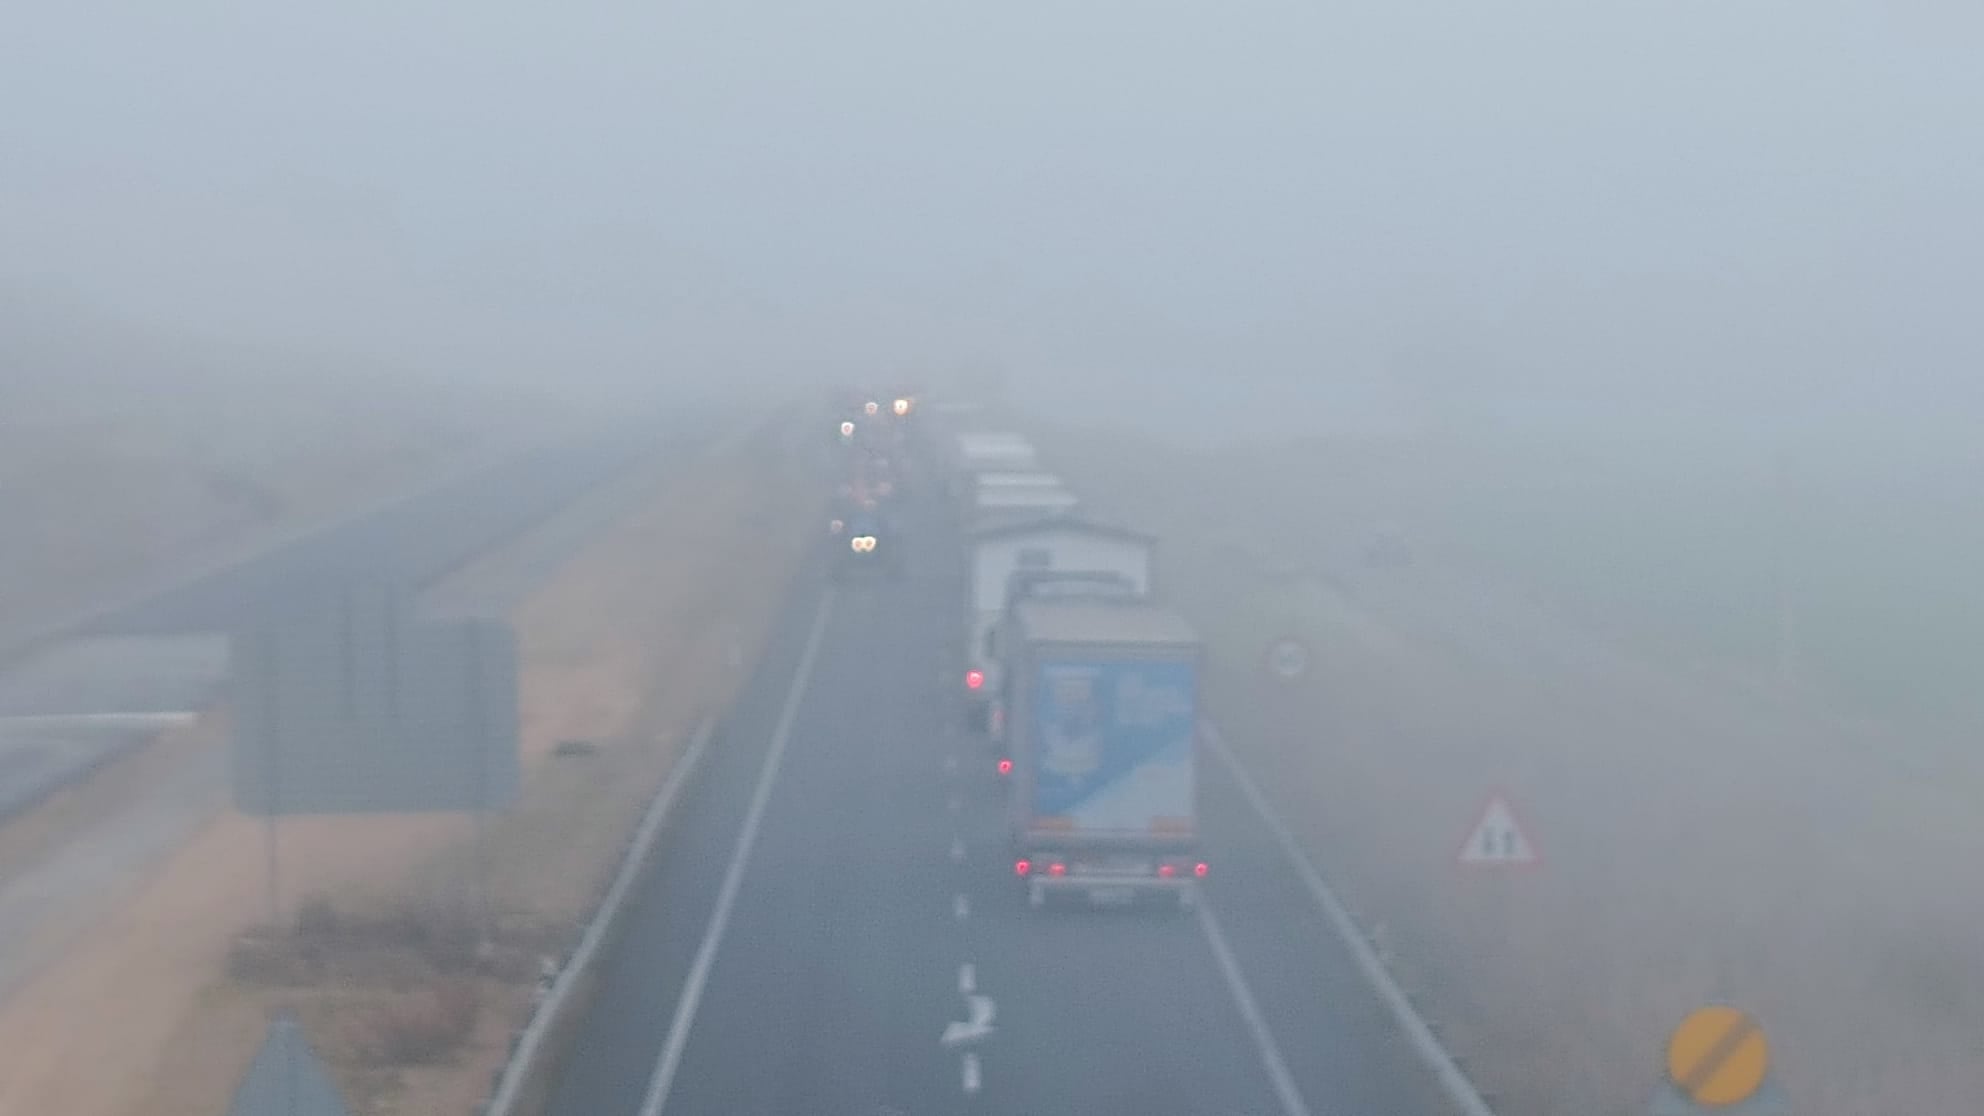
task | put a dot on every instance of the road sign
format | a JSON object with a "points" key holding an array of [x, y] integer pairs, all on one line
{"points": [[1498, 839], [1718, 1057], [286, 1078], [354, 706], [1288, 659]]}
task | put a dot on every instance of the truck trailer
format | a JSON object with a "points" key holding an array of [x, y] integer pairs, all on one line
{"points": [[1105, 745], [1035, 538]]}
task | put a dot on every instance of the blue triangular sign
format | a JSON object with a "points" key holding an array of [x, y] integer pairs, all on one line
{"points": [[286, 1078]]}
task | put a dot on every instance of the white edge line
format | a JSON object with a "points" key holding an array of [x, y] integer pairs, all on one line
{"points": [[967, 978], [140, 720], [1250, 1011], [1458, 1088], [733, 877], [524, 1062], [973, 1077]]}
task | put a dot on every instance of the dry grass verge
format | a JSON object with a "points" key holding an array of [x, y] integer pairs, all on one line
{"points": [[1697, 846], [158, 1009]]}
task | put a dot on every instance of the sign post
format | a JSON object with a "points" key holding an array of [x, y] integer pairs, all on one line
{"points": [[1497, 843]]}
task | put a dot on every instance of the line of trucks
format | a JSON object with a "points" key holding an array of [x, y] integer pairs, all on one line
{"points": [[1083, 684]]}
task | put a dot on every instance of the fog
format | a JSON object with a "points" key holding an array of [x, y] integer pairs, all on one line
{"points": [[1765, 207], [1598, 385]]}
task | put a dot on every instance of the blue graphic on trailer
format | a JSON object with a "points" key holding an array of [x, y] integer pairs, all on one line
{"points": [[1114, 742]]}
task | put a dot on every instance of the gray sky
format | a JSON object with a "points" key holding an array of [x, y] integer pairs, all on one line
{"points": [[1734, 203]]}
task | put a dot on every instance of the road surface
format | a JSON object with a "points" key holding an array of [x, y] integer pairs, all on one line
{"points": [[835, 891]]}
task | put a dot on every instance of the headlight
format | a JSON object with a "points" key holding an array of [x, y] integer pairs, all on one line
{"points": [[836, 526], [862, 544], [847, 430], [902, 406], [870, 407]]}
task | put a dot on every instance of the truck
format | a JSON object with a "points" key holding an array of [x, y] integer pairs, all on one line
{"points": [[1033, 539], [1000, 506], [1105, 743], [982, 451], [1029, 583]]}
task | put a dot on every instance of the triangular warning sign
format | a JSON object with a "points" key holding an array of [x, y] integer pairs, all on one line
{"points": [[1498, 838]]}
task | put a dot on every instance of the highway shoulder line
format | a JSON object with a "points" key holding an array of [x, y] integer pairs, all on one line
{"points": [[1467, 1100], [1250, 1011], [530, 1050], [733, 878]]}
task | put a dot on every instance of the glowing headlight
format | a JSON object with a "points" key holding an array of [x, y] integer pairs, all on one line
{"points": [[836, 526], [847, 430], [902, 406], [871, 407], [862, 544]]}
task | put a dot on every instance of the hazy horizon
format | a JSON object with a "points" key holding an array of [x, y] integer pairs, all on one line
{"points": [[1708, 209]]}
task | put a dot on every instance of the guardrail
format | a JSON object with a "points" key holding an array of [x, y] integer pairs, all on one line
{"points": [[521, 1082]]}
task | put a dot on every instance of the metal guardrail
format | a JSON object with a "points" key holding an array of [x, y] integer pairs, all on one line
{"points": [[530, 1056]]}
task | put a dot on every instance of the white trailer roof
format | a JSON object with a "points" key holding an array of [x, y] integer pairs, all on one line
{"points": [[1004, 498], [1011, 479], [1103, 621], [976, 443]]}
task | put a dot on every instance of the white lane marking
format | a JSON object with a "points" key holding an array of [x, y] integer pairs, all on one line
{"points": [[1243, 998], [957, 850], [1458, 1088], [733, 877], [967, 979], [960, 907], [961, 1032], [972, 1077], [524, 1062]]}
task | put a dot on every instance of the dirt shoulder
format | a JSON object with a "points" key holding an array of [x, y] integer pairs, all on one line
{"points": [[160, 1005], [1700, 844]]}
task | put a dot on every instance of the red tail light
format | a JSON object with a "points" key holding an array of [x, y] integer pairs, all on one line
{"points": [[973, 679], [1200, 869], [1022, 867], [1057, 869], [1005, 767], [1167, 870]]}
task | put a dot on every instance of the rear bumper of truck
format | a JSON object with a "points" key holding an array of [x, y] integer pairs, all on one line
{"points": [[1120, 876]]}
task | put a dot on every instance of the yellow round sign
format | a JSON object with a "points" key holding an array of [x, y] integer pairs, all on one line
{"points": [[1718, 1056]]}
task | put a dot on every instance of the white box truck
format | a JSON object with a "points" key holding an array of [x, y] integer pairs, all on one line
{"points": [[1039, 539]]}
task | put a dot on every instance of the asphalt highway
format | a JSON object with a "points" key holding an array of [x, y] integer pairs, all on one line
{"points": [[834, 895]]}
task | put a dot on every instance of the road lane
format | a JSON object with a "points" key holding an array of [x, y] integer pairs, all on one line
{"points": [[616, 1049], [878, 901]]}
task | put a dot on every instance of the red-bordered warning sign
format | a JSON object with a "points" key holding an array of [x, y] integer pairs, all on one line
{"points": [[1498, 839]]}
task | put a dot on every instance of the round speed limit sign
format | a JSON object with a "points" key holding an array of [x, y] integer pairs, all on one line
{"points": [[1288, 659]]}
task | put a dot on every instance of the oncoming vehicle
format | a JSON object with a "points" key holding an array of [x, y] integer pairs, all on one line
{"points": [[866, 542]]}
